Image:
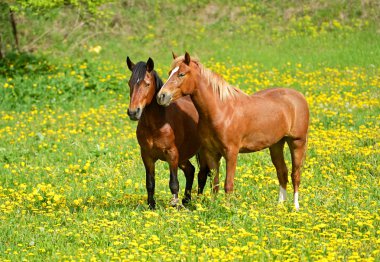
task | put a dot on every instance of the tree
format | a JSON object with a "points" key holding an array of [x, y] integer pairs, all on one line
{"points": [[11, 8]]}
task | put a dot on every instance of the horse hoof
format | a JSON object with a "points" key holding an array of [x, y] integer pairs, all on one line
{"points": [[186, 201], [174, 202], [152, 206]]}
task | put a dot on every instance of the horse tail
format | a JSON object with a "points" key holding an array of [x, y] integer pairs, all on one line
{"points": [[204, 168], [197, 156]]}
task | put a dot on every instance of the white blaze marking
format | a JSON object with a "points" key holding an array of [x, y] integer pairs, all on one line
{"points": [[282, 195], [171, 74], [296, 204]]}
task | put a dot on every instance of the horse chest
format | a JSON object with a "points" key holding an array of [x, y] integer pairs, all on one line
{"points": [[156, 141]]}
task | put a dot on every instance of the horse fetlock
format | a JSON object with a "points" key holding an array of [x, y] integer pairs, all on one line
{"points": [[296, 204], [229, 188], [174, 186], [152, 204], [282, 195], [186, 200], [174, 201], [215, 189]]}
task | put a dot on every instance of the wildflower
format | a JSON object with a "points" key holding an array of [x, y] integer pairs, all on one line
{"points": [[95, 49]]}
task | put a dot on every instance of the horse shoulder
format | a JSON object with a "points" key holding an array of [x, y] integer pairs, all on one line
{"points": [[158, 138], [144, 137]]}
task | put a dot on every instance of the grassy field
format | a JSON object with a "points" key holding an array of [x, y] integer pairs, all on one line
{"points": [[72, 185]]}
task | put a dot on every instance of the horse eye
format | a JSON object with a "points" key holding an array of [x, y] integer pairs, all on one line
{"points": [[181, 74]]}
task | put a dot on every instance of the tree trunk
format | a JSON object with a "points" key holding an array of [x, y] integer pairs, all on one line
{"points": [[1, 47], [14, 28]]}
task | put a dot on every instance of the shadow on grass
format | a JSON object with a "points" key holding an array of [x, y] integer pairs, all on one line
{"points": [[24, 63]]}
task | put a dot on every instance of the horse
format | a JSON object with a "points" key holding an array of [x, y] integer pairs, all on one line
{"points": [[232, 122], [164, 133]]}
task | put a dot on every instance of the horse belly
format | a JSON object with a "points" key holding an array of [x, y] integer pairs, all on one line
{"points": [[259, 141]]}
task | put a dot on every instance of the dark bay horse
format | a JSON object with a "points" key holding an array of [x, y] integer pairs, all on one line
{"points": [[165, 133], [232, 122]]}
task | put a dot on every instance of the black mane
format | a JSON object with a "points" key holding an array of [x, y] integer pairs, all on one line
{"points": [[138, 74]]}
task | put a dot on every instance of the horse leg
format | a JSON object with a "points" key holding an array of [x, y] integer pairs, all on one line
{"points": [[213, 164], [210, 165], [150, 180], [277, 156], [189, 170], [204, 171], [172, 159], [297, 151], [231, 161]]}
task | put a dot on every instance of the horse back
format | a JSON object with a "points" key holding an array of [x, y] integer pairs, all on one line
{"points": [[289, 102]]}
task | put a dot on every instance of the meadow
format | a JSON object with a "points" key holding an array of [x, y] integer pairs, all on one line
{"points": [[72, 184]]}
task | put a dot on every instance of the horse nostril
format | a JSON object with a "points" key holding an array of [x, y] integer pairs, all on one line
{"points": [[163, 98], [138, 110]]}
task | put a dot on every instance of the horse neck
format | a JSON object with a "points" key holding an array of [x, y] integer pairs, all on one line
{"points": [[153, 108], [153, 114], [205, 100]]}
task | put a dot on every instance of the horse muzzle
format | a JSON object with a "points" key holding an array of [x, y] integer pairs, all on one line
{"points": [[135, 114], [164, 99]]}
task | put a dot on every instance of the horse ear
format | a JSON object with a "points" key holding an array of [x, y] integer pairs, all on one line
{"points": [[174, 55], [130, 64], [149, 65], [187, 58]]}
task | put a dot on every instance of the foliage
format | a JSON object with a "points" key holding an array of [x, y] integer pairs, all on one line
{"points": [[88, 11], [72, 184], [137, 25], [33, 81], [23, 63], [39, 6], [72, 181]]}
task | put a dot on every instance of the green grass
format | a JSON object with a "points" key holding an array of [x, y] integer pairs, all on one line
{"points": [[72, 185]]}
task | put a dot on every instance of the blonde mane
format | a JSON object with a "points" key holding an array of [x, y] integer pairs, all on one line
{"points": [[219, 85]]}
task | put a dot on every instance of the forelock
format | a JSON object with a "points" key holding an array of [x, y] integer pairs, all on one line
{"points": [[138, 73]]}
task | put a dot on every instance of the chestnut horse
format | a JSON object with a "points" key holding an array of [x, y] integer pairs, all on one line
{"points": [[165, 133], [232, 122]]}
